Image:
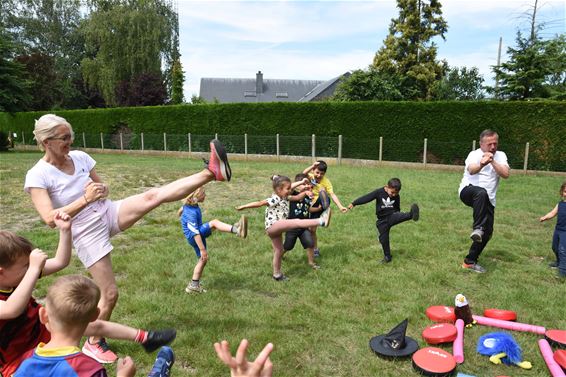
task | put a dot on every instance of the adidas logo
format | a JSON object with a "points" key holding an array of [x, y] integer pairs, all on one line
{"points": [[388, 203]]}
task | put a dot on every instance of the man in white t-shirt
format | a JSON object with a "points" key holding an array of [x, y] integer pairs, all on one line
{"points": [[484, 167]]}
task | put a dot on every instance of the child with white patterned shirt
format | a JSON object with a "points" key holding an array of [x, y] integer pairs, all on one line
{"points": [[276, 221]]}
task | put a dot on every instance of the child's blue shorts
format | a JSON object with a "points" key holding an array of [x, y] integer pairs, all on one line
{"points": [[205, 230]]}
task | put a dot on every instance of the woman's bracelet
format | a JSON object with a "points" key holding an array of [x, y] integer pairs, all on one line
{"points": [[86, 200]]}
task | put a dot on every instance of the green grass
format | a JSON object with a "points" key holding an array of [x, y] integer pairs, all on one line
{"points": [[320, 321]]}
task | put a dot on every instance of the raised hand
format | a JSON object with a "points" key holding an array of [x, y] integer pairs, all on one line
{"points": [[239, 366], [37, 259], [62, 220]]}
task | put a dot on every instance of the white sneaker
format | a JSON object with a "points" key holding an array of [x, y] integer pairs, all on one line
{"points": [[325, 217], [477, 235], [191, 289]]}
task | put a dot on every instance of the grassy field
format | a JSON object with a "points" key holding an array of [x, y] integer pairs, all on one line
{"points": [[320, 321]]}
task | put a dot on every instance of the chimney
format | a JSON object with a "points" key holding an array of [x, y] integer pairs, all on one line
{"points": [[259, 82]]}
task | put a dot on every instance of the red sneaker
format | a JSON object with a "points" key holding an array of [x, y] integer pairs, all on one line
{"points": [[218, 163], [99, 351]]}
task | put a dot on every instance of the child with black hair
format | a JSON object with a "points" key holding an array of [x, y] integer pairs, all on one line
{"points": [[276, 218], [301, 209], [322, 193], [388, 211]]}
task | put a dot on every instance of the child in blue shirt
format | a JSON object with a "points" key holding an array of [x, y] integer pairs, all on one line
{"points": [[196, 233], [559, 237]]}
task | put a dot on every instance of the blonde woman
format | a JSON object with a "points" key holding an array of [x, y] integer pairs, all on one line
{"points": [[66, 180]]}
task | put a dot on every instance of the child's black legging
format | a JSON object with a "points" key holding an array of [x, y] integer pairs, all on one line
{"points": [[384, 225]]}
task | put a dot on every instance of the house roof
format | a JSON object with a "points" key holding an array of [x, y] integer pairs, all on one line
{"points": [[319, 89], [244, 90]]}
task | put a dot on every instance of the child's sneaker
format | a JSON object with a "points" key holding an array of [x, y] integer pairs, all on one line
{"points": [[158, 338], [218, 163], [325, 218], [316, 252], [474, 267], [242, 226], [99, 351], [386, 259], [314, 266], [415, 211], [194, 289], [477, 235], [280, 278], [163, 363]]}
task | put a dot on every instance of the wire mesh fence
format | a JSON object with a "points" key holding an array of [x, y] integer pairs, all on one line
{"points": [[528, 156]]}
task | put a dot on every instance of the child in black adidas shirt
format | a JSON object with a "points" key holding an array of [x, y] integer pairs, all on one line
{"points": [[388, 211]]}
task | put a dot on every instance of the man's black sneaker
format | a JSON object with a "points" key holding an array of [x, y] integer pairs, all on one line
{"points": [[415, 211]]}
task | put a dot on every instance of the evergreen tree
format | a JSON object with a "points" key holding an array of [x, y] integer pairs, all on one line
{"points": [[409, 51], [177, 81]]}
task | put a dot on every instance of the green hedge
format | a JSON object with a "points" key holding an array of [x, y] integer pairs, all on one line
{"points": [[542, 124]]}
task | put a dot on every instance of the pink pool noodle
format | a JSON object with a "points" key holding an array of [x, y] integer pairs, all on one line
{"points": [[458, 347], [509, 325], [546, 351]]}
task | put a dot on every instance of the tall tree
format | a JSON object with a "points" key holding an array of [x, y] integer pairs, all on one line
{"points": [[409, 51], [125, 39], [14, 88], [50, 28], [177, 81]]}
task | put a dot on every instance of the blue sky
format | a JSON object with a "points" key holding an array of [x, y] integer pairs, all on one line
{"points": [[319, 40]]}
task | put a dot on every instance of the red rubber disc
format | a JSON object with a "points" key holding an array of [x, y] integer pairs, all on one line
{"points": [[560, 358], [505, 315], [556, 338], [432, 361], [441, 314], [440, 333]]}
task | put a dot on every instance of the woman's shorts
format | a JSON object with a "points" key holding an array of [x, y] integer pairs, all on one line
{"points": [[92, 229]]}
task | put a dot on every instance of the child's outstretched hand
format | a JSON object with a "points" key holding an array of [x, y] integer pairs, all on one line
{"points": [[37, 259], [239, 366], [62, 220], [125, 367], [350, 206]]}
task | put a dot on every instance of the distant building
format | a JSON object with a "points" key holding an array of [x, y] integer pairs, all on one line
{"points": [[226, 90]]}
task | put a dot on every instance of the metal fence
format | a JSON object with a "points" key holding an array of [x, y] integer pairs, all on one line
{"points": [[528, 156]]}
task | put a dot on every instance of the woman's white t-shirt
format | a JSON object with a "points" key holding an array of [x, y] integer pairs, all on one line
{"points": [[62, 188]]}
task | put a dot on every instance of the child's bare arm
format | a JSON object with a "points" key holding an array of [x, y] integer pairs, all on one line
{"points": [[258, 204], [337, 201], [298, 183], [297, 198], [16, 303], [201, 247], [550, 215], [310, 168], [63, 255]]}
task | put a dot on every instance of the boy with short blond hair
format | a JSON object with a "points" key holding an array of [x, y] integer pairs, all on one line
{"points": [[20, 328]]}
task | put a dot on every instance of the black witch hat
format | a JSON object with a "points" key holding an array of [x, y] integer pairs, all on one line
{"points": [[394, 343]]}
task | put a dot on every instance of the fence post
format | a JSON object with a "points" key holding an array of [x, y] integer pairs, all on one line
{"points": [[424, 153], [526, 158], [142, 141], [474, 145], [23, 138], [164, 141], [380, 148], [339, 149], [277, 146], [101, 141], [246, 145], [121, 142], [189, 141], [84, 140], [313, 147], [216, 135]]}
